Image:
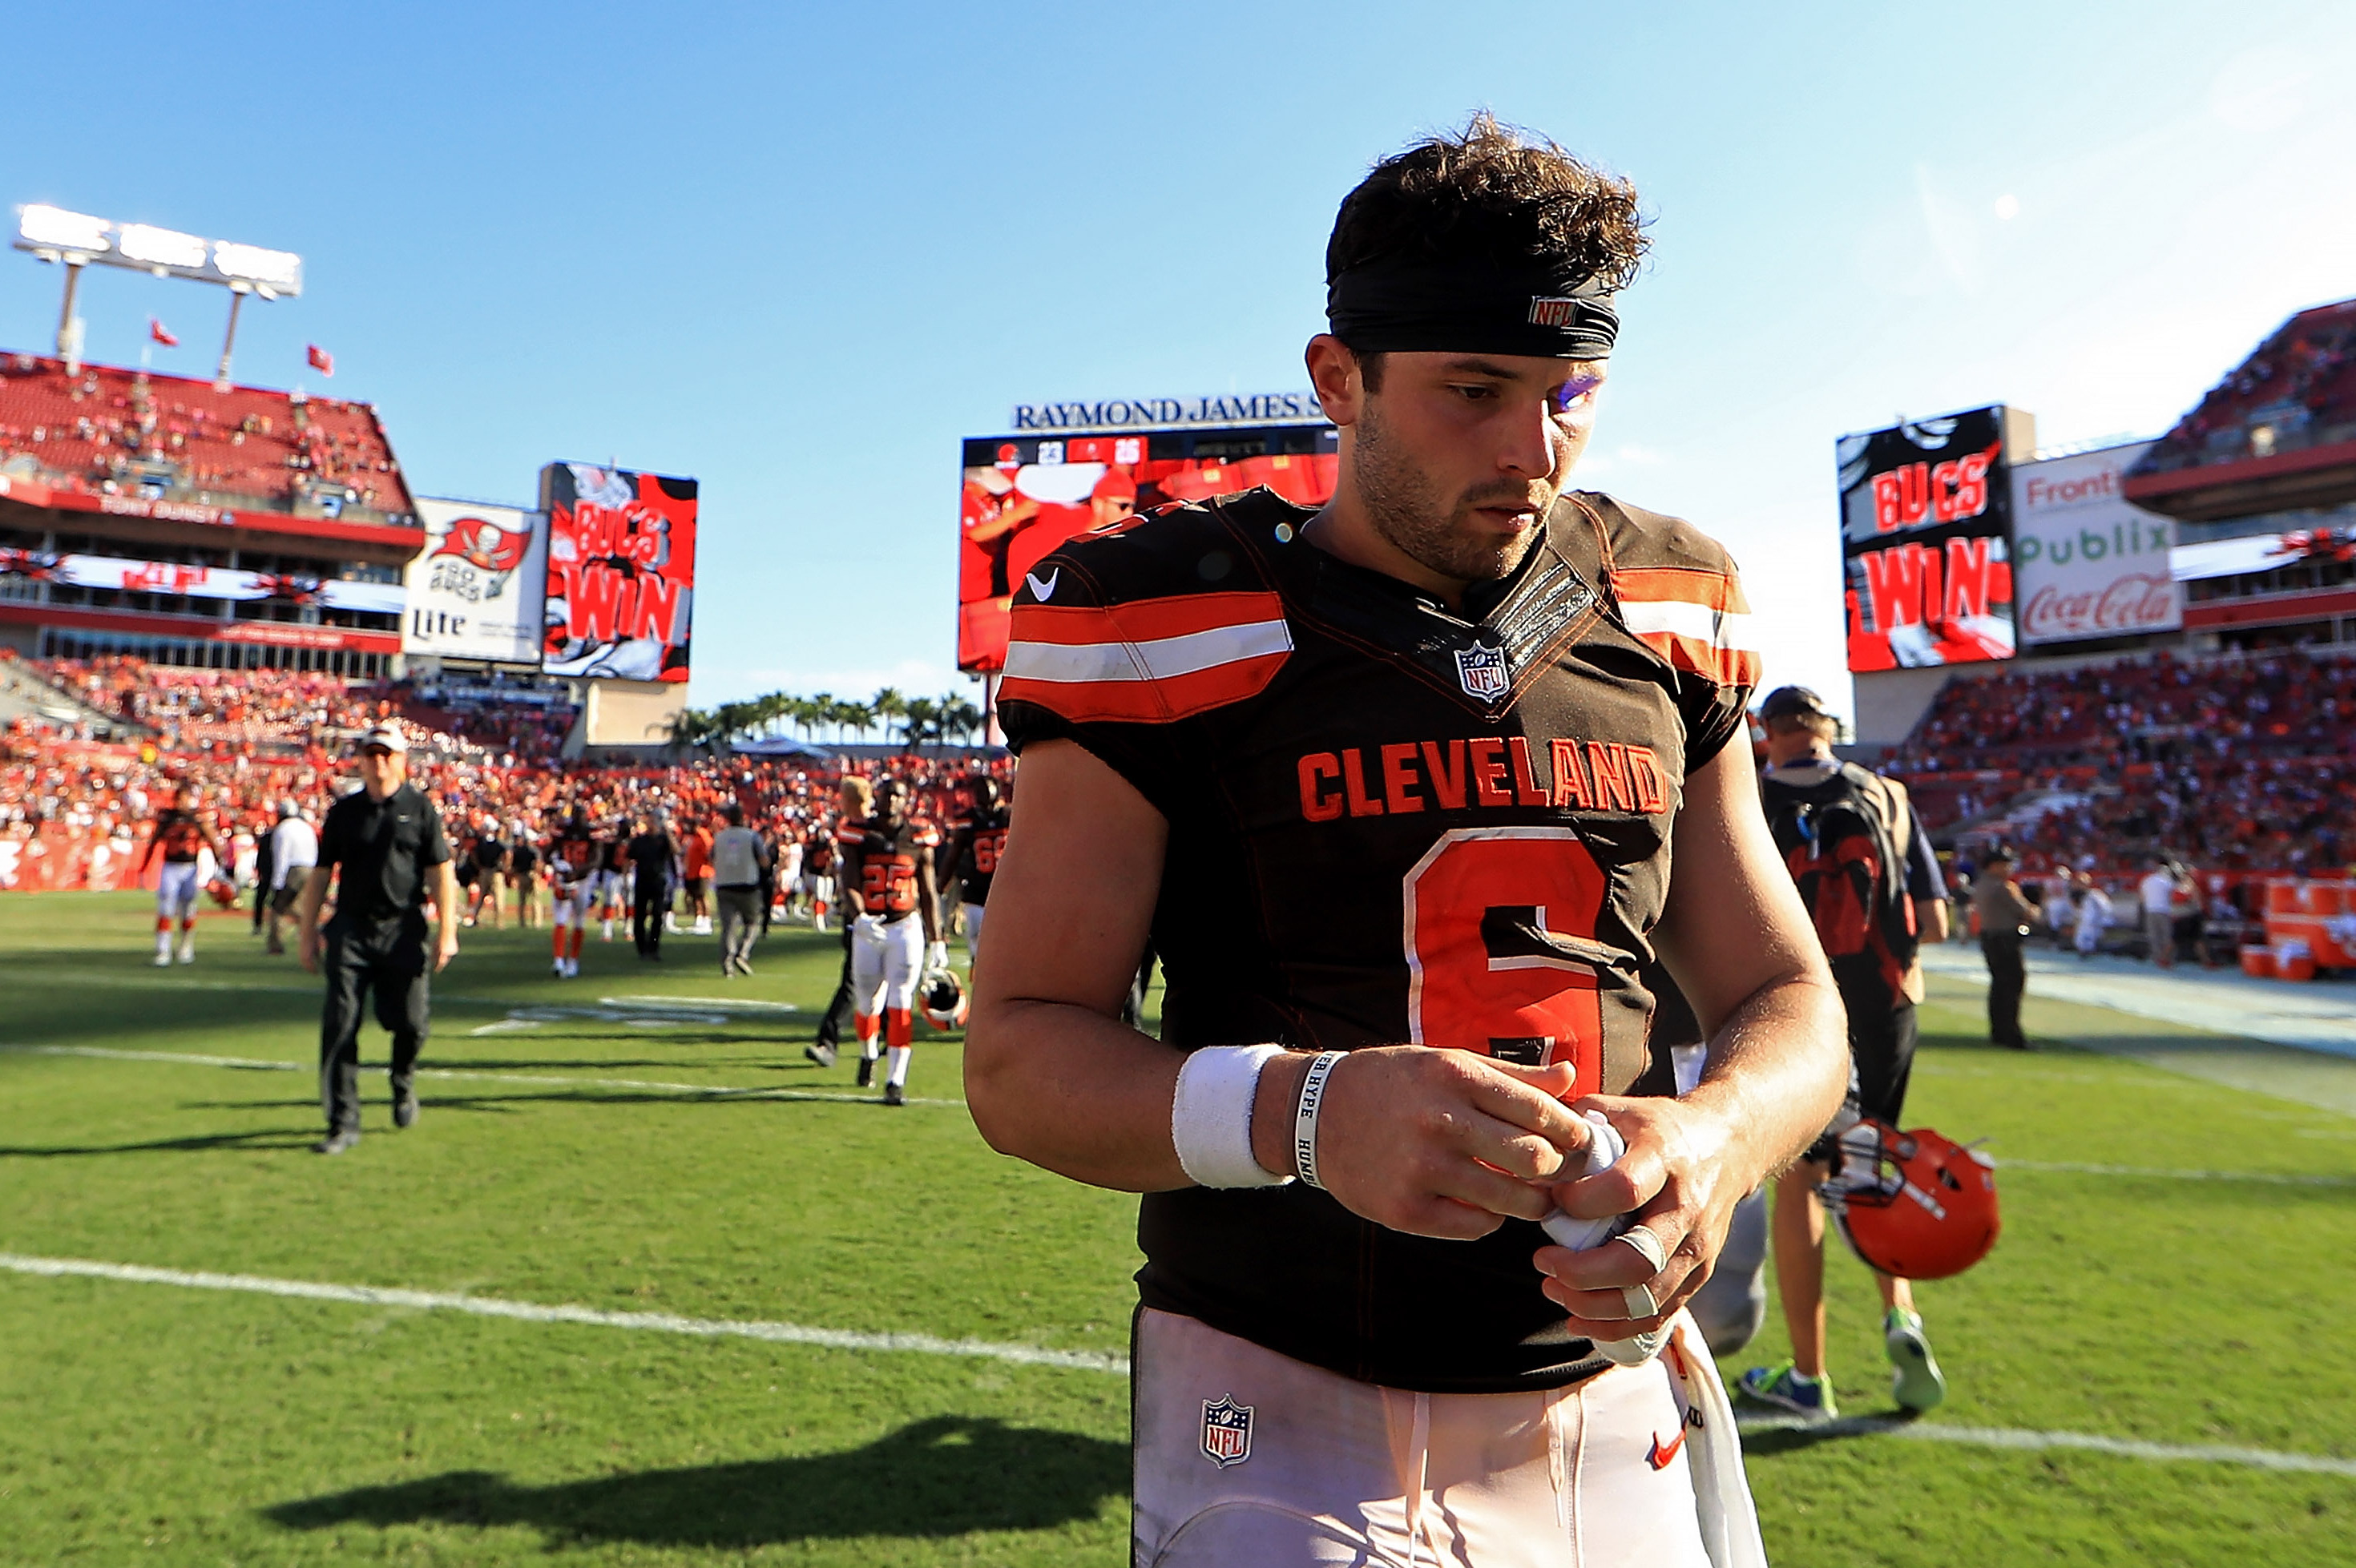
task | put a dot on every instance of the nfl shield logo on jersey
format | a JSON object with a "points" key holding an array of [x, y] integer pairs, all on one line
{"points": [[1226, 1431], [1482, 671]]}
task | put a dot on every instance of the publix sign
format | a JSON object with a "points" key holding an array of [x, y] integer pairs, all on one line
{"points": [[2085, 562]]}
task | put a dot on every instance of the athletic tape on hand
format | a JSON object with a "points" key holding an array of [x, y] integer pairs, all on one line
{"points": [[1604, 1151]]}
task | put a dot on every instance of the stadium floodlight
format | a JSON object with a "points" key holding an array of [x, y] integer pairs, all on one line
{"points": [[267, 270], [164, 249], [76, 239], [45, 227]]}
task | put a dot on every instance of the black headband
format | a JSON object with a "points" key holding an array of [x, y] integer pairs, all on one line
{"points": [[1411, 304]]}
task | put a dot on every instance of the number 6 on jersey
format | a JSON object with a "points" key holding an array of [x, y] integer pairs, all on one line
{"points": [[1496, 920]]}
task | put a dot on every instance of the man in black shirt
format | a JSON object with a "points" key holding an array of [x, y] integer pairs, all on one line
{"points": [[656, 855], [386, 839]]}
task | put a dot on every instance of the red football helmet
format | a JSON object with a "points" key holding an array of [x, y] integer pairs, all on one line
{"points": [[1914, 1204]]}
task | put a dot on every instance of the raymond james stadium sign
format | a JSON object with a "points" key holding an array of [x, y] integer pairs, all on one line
{"points": [[1171, 413]]}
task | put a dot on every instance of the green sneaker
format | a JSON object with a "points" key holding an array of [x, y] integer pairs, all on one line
{"points": [[1785, 1387], [1916, 1385]]}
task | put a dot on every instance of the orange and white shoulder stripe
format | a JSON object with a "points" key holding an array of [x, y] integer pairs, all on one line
{"points": [[1696, 619], [1147, 662]]}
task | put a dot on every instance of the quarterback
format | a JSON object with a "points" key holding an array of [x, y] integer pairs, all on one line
{"points": [[1443, 740]]}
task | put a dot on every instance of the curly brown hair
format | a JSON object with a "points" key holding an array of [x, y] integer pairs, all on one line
{"points": [[1495, 192]]}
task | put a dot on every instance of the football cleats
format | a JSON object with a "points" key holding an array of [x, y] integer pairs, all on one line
{"points": [[1914, 1204], [943, 996]]}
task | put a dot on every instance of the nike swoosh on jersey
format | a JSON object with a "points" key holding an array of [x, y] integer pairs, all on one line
{"points": [[1042, 591], [1661, 1454]]}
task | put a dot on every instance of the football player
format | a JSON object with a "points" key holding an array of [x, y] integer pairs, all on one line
{"points": [[572, 860], [184, 839], [887, 877], [854, 799], [981, 839], [609, 887], [1440, 737]]}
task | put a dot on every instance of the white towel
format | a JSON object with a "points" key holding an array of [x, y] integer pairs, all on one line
{"points": [[1729, 1521], [1579, 1235]]}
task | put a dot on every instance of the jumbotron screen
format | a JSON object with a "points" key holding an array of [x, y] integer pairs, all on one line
{"points": [[1025, 494], [621, 572], [1926, 542]]}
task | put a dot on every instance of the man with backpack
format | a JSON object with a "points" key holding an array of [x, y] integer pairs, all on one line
{"points": [[1867, 873]]}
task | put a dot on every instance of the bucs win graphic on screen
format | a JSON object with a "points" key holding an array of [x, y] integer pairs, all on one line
{"points": [[621, 571], [1926, 542]]}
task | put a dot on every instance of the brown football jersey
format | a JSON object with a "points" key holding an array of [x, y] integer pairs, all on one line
{"points": [[1390, 822]]}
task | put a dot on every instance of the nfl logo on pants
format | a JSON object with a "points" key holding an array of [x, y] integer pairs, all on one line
{"points": [[1226, 1431]]}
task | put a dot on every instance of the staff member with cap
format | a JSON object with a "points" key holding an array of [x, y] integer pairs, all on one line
{"points": [[384, 844], [2005, 918]]}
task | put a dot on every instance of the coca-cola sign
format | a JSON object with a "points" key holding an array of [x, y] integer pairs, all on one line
{"points": [[2087, 562]]}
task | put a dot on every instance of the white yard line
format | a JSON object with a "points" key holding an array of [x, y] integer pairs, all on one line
{"points": [[650, 1086], [2087, 1442], [589, 1317], [2269, 1178], [1077, 1360]]}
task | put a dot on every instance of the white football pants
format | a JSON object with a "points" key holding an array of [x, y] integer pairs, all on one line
{"points": [[885, 957], [1337, 1471]]}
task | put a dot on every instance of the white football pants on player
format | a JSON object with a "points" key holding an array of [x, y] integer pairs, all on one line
{"points": [[972, 932], [885, 958], [175, 892], [1246, 1456]]}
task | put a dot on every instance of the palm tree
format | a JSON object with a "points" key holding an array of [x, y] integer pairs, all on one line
{"points": [[959, 717], [920, 720], [886, 705]]}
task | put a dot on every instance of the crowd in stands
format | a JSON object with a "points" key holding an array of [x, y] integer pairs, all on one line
{"points": [[104, 429], [496, 771], [2302, 376], [201, 709], [2232, 764]]}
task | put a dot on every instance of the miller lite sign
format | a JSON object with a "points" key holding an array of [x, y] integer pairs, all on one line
{"points": [[478, 591], [1226, 1431]]}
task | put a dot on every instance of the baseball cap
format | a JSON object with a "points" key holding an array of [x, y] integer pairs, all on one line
{"points": [[1792, 703], [388, 736], [1997, 852]]}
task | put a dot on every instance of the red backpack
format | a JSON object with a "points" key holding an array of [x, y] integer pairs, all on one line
{"points": [[1845, 842]]}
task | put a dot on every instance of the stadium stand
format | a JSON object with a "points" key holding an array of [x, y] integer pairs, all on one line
{"points": [[107, 430], [2235, 763], [74, 810], [2297, 390]]}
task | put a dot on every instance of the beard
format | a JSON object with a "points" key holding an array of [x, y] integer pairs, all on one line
{"points": [[1405, 508]]}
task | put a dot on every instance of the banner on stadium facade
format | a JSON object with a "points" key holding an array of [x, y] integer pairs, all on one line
{"points": [[621, 572], [2262, 552], [127, 576], [2087, 562], [1926, 540], [476, 590], [1026, 494]]}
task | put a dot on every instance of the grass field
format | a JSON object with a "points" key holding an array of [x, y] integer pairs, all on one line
{"points": [[646, 1156]]}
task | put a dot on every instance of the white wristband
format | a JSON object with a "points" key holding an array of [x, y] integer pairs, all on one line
{"points": [[1304, 1119], [1210, 1116]]}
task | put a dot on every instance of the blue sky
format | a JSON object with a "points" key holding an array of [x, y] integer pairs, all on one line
{"points": [[798, 253]]}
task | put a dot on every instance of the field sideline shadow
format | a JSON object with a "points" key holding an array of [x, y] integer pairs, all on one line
{"points": [[942, 1476]]}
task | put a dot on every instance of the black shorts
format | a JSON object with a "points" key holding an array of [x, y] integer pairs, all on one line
{"points": [[1880, 1061]]}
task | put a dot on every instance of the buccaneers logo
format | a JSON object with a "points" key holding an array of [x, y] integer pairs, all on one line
{"points": [[484, 545]]}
